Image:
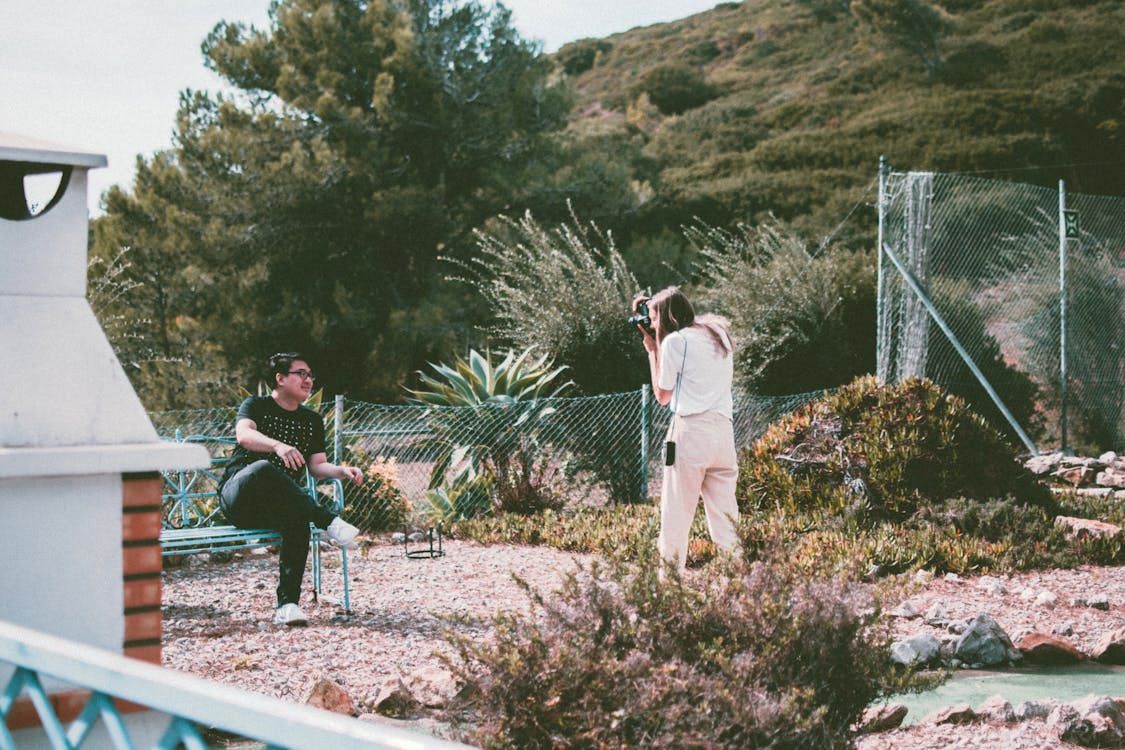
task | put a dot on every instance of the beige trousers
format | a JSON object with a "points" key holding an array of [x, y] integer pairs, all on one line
{"points": [[706, 465]]}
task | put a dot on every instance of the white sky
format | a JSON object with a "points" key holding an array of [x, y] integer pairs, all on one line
{"points": [[105, 75]]}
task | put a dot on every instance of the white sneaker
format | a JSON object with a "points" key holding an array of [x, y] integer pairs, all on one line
{"points": [[342, 532], [289, 614]]}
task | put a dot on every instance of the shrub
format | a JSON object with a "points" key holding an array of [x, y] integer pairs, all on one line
{"points": [[882, 451], [378, 504], [675, 88], [489, 435], [581, 55], [746, 655], [800, 321]]}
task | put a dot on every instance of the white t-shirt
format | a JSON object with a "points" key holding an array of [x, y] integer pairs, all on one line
{"points": [[708, 371]]}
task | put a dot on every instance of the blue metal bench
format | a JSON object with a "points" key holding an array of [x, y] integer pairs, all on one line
{"points": [[192, 522]]}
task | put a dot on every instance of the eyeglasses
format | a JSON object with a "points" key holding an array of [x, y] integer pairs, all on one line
{"points": [[303, 374]]}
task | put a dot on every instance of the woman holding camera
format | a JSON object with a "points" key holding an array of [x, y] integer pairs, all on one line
{"points": [[691, 359]]}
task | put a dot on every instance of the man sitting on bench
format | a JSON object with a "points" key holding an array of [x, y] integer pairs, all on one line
{"points": [[263, 485]]}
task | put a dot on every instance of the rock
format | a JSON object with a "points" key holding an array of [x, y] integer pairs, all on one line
{"points": [[1098, 601], [984, 642], [1040, 648], [882, 718], [1085, 528], [392, 698], [936, 615], [996, 709], [1076, 476], [907, 610], [921, 649], [1110, 648], [1044, 463], [1046, 599], [431, 686], [329, 696], [1092, 721], [1037, 709], [992, 585], [960, 713], [1110, 478]]}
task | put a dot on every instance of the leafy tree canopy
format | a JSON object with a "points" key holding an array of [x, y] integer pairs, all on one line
{"points": [[308, 210]]}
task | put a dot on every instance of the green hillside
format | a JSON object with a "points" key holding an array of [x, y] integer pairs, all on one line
{"points": [[785, 106]]}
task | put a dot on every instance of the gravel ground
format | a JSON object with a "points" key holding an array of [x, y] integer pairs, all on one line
{"points": [[218, 622]]}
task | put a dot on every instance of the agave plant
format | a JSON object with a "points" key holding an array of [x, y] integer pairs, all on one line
{"points": [[483, 414]]}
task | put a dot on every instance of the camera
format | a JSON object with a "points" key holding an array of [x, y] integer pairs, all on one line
{"points": [[641, 318]]}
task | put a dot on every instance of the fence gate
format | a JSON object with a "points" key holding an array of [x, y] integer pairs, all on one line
{"points": [[1010, 295]]}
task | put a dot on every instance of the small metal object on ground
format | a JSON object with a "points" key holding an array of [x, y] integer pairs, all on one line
{"points": [[432, 536]]}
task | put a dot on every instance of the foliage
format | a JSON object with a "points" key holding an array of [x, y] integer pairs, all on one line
{"points": [[747, 655], [378, 504], [307, 210], [882, 452], [578, 57], [494, 436], [565, 291], [966, 319], [911, 24], [800, 320], [675, 88], [1095, 377]]}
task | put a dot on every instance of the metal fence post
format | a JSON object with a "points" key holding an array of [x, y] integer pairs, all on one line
{"points": [[337, 442], [645, 421], [880, 327], [1062, 314]]}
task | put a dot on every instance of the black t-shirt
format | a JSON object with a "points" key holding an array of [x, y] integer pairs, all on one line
{"points": [[302, 428]]}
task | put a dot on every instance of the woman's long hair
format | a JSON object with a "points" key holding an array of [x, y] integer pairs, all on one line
{"points": [[675, 313]]}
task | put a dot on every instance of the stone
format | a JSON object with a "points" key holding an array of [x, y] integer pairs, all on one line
{"points": [[1036, 709], [984, 642], [921, 649], [1085, 528], [1109, 478], [996, 709], [1046, 599], [1040, 648], [959, 713], [392, 698], [1044, 463], [432, 686], [1110, 648], [906, 610], [329, 696], [882, 718], [1093, 721], [992, 585]]}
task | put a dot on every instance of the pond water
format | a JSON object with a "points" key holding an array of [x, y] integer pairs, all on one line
{"points": [[974, 686]]}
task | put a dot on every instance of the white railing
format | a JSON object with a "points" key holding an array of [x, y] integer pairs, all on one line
{"points": [[187, 700]]}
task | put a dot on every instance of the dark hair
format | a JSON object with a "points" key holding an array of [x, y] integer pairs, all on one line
{"points": [[675, 312], [280, 363]]}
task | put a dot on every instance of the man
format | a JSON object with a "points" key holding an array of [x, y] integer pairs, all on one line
{"points": [[264, 483]]}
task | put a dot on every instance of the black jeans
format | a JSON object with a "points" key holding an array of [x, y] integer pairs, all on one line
{"points": [[262, 496]]}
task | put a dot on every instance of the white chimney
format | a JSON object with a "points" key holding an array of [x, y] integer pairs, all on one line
{"points": [[79, 459]]}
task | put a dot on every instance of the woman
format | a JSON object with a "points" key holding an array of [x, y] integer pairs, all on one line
{"points": [[692, 363]]}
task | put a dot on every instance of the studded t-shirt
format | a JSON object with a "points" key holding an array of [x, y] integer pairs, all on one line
{"points": [[302, 428]]}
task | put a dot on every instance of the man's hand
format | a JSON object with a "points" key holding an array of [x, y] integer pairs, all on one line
{"points": [[352, 473], [289, 456]]}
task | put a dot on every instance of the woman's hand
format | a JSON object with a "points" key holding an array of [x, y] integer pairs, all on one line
{"points": [[641, 297], [647, 340]]}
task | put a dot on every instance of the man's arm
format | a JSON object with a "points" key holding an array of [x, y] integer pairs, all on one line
{"points": [[322, 468], [248, 436]]}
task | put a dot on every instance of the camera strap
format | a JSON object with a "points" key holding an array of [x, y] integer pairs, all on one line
{"points": [[679, 377]]}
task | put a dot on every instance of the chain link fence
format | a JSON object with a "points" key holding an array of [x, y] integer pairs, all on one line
{"points": [[422, 462], [1011, 295]]}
